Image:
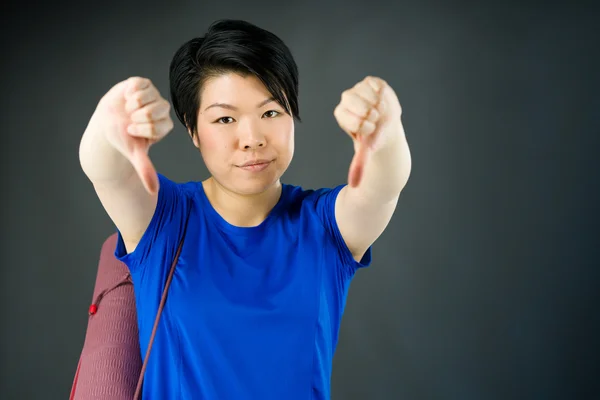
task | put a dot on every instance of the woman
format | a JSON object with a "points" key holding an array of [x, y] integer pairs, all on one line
{"points": [[256, 301]]}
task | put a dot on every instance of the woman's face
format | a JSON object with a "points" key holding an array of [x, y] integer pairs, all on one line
{"points": [[246, 139]]}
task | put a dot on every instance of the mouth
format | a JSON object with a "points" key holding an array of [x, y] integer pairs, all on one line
{"points": [[256, 165]]}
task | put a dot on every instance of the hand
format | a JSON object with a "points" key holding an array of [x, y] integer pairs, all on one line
{"points": [[366, 112], [133, 116]]}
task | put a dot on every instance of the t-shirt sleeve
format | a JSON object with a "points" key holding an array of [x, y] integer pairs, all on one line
{"points": [[325, 207], [160, 240]]}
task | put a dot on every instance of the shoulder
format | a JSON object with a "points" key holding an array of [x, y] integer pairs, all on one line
{"points": [[317, 208], [170, 186], [300, 196], [175, 201], [318, 204]]}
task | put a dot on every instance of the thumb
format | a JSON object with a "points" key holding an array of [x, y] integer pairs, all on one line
{"points": [[143, 166], [357, 165]]}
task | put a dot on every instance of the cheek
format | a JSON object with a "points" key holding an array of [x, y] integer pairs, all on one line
{"points": [[216, 150], [212, 141], [283, 136]]}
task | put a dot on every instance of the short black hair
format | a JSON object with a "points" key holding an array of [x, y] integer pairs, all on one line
{"points": [[232, 46]]}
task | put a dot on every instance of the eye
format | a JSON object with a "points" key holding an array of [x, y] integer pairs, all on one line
{"points": [[224, 120], [271, 114]]}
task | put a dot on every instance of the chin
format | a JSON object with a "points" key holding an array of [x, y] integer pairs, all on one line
{"points": [[249, 186]]}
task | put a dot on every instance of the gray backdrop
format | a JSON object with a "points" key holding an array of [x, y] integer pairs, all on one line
{"points": [[485, 284]]}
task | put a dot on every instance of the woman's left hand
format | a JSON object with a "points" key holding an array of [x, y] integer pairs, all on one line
{"points": [[370, 114]]}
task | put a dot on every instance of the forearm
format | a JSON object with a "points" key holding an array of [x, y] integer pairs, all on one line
{"points": [[101, 161], [387, 170]]}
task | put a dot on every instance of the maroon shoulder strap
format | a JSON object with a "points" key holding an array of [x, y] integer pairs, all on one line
{"points": [[138, 389]]}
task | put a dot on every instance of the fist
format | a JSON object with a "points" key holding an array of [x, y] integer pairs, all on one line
{"points": [[135, 116], [370, 113]]}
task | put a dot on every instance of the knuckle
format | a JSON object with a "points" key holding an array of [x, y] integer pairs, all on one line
{"points": [[136, 80], [136, 83], [373, 114], [132, 107], [337, 110], [152, 130], [162, 109], [136, 99], [144, 82]]}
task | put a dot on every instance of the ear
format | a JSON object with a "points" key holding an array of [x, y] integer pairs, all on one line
{"points": [[194, 138], [191, 133]]}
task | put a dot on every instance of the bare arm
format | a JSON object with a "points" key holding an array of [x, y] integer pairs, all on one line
{"points": [[364, 208], [363, 212], [115, 158]]}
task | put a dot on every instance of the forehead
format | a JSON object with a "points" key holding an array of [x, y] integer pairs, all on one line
{"points": [[233, 88]]}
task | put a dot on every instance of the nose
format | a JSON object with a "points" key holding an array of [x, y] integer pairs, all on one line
{"points": [[250, 137]]}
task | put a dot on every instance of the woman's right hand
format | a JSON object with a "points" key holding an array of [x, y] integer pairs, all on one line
{"points": [[133, 115]]}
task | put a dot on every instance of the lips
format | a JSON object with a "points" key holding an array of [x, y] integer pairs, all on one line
{"points": [[255, 162], [256, 165]]}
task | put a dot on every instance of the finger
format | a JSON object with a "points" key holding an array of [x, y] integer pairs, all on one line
{"points": [[357, 165], [381, 106], [136, 83], [356, 103], [368, 92], [152, 112], [373, 115], [377, 84], [352, 123], [144, 168], [151, 130], [141, 98], [373, 98]]}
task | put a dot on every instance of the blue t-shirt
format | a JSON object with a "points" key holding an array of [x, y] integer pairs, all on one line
{"points": [[252, 312]]}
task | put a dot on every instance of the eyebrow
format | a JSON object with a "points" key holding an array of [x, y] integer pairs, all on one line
{"points": [[234, 108]]}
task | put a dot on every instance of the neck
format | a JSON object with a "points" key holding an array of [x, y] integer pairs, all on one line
{"points": [[238, 209]]}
